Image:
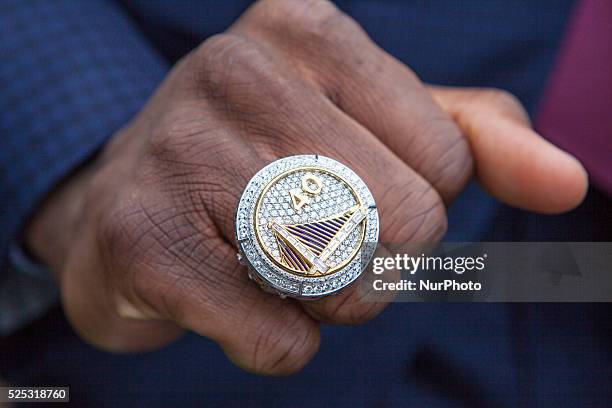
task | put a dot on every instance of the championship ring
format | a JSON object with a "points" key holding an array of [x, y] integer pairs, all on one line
{"points": [[306, 226]]}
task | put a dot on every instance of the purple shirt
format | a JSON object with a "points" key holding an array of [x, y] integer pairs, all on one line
{"points": [[576, 110]]}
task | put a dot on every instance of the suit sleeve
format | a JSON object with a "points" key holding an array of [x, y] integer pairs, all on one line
{"points": [[71, 74]]}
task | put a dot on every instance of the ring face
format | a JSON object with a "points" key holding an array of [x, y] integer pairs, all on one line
{"points": [[306, 226]]}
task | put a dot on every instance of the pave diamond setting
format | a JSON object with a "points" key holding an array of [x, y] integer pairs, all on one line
{"points": [[311, 242]]}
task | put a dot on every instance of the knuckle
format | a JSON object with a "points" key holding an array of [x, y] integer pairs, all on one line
{"points": [[162, 141], [360, 314], [333, 27], [318, 20], [215, 47], [144, 242], [503, 102], [135, 230], [284, 351], [448, 162], [140, 247], [351, 311], [499, 96], [438, 151], [229, 64], [115, 233], [282, 10], [424, 220], [437, 127]]}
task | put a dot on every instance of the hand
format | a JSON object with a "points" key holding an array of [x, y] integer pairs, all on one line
{"points": [[142, 239]]}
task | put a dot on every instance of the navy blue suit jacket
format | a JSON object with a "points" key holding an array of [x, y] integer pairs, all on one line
{"points": [[76, 71]]}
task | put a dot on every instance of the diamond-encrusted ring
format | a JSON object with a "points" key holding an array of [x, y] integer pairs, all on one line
{"points": [[306, 226]]}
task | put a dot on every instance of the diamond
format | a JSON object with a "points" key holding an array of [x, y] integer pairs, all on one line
{"points": [[334, 198]]}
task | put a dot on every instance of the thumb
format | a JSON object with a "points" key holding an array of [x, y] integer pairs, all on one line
{"points": [[513, 162]]}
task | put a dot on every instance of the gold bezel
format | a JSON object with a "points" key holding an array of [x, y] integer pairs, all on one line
{"points": [[265, 249]]}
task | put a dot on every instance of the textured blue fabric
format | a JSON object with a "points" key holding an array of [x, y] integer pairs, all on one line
{"points": [[71, 73], [426, 355]]}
